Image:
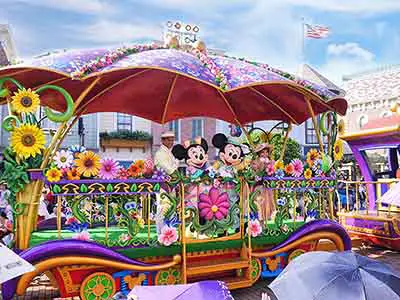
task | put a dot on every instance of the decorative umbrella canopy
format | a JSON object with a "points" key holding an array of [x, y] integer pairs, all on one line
{"points": [[164, 84], [340, 275]]}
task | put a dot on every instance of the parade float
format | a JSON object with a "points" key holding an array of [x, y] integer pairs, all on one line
{"points": [[375, 219], [236, 220]]}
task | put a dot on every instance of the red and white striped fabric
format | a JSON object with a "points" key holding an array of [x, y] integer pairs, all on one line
{"points": [[316, 31]]}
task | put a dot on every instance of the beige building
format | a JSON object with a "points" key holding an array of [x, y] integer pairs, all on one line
{"points": [[370, 95], [119, 149]]}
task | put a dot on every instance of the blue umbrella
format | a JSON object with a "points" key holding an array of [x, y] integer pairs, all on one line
{"points": [[333, 276]]}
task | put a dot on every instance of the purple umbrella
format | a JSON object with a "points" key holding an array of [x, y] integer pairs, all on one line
{"points": [[205, 290]]}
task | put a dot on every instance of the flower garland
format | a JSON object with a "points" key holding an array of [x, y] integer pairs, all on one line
{"points": [[110, 58], [287, 75], [220, 77]]}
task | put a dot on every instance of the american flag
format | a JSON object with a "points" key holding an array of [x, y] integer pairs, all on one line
{"points": [[316, 31]]}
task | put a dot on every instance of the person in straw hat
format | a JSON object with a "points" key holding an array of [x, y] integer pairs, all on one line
{"points": [[265, 200], [164, 159]]}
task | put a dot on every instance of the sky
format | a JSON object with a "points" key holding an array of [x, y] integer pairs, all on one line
{"points": [[365, 34]]}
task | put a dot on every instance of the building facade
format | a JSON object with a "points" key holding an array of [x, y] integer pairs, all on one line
{"points": [[88, 136], [370, 95]]}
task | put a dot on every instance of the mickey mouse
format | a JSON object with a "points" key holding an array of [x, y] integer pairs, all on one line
{"points": [[229, 153], [194, 153]]}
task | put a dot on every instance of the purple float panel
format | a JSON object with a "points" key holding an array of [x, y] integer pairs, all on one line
{"points": [[391, 139]]}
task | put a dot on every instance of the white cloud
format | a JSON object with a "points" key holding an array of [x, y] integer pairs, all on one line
{"points": [[352, 50], [108, 32], [81, 6], [353, 6], [346, 59]]}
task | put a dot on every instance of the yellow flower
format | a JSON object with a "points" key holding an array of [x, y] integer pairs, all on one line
{"points": [[140, 222], [312, 156], [341, 127], [53, 175], [307, 174], [88, 164], [338, 150], [278, 165], [25, 101], [27, 140]]}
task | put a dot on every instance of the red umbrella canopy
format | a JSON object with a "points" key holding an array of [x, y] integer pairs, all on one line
{"points": [[162, 84]]}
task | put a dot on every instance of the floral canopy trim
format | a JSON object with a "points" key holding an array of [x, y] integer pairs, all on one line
{"points": [[85, 62]]}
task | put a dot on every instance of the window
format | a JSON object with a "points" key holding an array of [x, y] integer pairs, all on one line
{"points": [[386, 114], [197, 128], [174, 126], [124, 122], [311, 135], [362, 120]]}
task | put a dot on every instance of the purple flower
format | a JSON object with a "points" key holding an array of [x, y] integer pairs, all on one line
{"points": [[159, 174]]}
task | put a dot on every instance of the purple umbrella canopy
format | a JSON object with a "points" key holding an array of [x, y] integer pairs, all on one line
{"points": [[152, 82], [204, 290]]}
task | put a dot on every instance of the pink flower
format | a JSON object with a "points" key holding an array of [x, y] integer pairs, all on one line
{"points": [[83, 236], [213, 205], [109, 168], [255, 228], [168, 235], [270, 168], [148, 167], [123, 173], [298, 167], [124, 237]]}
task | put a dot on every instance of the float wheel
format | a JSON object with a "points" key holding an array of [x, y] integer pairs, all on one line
{"points": [[295, 253], [255, 269], [98, 286], [168, 276]]}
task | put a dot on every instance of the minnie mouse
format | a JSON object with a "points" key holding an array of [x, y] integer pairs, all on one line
{"points": [[195, 155]]}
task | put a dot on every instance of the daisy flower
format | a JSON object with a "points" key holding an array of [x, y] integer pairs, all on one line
{"points": [[109, 168], [63, 159]]}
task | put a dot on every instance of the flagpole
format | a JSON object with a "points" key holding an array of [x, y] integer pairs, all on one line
{"points": [[303, 41]]}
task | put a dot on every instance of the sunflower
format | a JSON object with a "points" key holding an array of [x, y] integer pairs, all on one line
{"points": [[53, 175], [88, 164], [338, 150], [25, 101], [312, 155], [27, 140], [307, 174], [341, 127]]}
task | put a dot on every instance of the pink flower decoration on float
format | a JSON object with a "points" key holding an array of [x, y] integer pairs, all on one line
{"points": [[255, 228], [213, 205], [109, 169], [270, 168], [123, 173], [82, 236], [168, 235], [298, 167]]}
